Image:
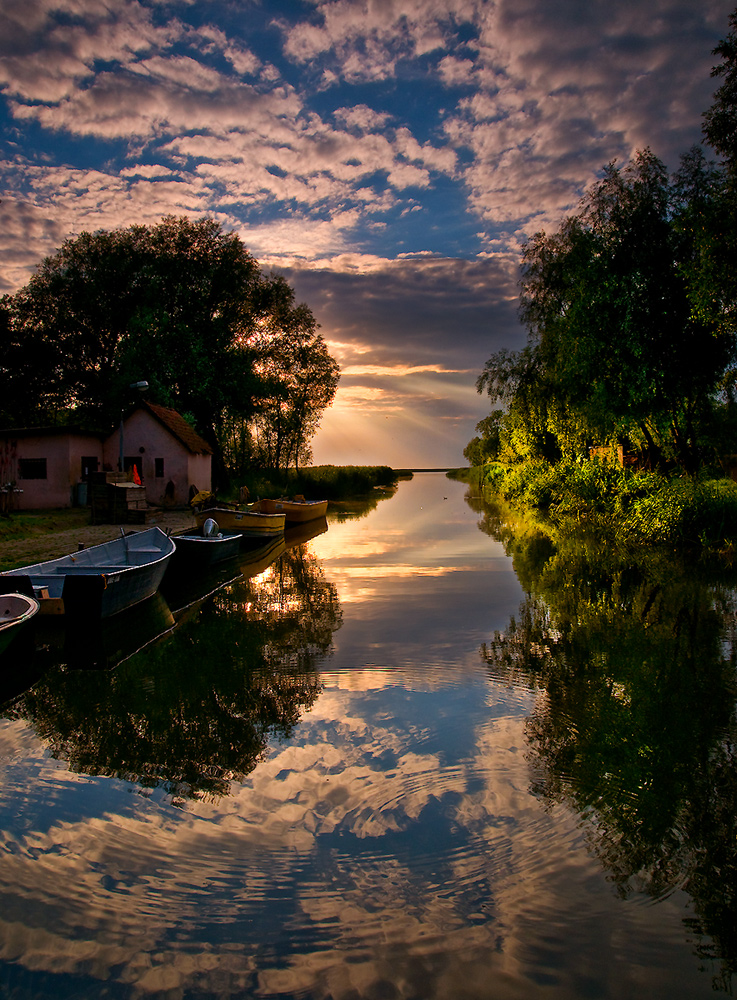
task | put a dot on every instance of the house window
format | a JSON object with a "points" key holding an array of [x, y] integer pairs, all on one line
{"points": [[31, 468], [89, 465], [159, 468]]}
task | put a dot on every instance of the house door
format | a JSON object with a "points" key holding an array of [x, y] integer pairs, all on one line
{"points": [[134, 462], [90, 464]]}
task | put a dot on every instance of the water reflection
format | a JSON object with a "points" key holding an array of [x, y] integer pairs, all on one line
{"points": [[197, 712], [635, 653], [313, 787]]}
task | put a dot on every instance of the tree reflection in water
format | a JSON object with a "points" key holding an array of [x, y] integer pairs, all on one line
{"points": [[635, 727], [194, 712]]}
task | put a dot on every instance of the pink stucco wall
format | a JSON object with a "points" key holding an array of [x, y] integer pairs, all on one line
{"points": [[146, 439], [63, 454]]}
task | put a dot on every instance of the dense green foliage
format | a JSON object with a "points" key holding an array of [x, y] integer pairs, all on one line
{"points": [[617, 351], [185, 307], [619, 504], [631, 311]]}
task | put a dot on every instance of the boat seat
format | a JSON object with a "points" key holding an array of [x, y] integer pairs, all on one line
{"points": [[92, 570]]}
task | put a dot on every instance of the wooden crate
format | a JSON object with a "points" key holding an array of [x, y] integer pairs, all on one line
{"points": [[117, 502]]}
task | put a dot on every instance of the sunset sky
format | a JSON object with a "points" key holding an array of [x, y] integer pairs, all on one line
{"points": [[389, 157]]}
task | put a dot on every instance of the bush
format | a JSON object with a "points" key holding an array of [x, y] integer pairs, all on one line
{"points": [[643, 507], [688, 511]]}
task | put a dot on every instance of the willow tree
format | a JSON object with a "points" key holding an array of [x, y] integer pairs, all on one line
{"points": [[615, 348]]}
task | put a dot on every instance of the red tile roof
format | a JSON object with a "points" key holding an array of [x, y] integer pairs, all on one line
{"points": [[178, 426]]}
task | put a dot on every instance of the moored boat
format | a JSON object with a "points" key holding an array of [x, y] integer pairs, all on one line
{"points": [[296, 511], [244, 520], [100, 580], [204, 547], [16, 610]]}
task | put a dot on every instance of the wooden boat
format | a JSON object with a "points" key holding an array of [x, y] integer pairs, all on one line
{"points": [[202, 548], [98, 581], [16, 610], [248, 522], [296, 511]]}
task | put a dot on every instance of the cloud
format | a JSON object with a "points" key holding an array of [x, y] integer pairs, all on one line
{"points": [[49, 49], [425, 308], [561, 91], [388, 156], [366, 36]]}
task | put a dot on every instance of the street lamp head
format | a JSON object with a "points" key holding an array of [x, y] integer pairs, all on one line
{"points": [[141, 386]]}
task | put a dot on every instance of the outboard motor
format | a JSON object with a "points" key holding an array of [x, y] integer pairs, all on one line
{"points": [[210, 529]]}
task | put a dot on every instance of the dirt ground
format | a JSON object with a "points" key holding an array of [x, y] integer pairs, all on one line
{"points": [[59, 541]]}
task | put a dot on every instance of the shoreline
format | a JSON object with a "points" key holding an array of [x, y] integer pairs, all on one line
{"points": [[58, 541]]}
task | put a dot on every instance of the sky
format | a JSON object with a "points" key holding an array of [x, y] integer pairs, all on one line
{"points": [[388, 157]]}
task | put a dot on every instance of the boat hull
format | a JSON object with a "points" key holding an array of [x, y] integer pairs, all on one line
{"points": [[196, 551], [101, 580], [295, 511], [16, 610], [249, 523]]}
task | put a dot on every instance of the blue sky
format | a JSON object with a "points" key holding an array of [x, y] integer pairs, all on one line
{"points": [[388, 156]]}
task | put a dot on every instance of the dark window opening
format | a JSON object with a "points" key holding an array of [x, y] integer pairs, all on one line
{"points": [[159, 468], [31, 468], [90, 464]]}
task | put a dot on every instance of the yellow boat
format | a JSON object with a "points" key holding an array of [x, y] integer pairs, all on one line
{"points": [[246, 521], [296, 511]]}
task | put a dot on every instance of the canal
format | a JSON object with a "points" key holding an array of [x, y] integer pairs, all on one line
{"points": [[423, 753]]}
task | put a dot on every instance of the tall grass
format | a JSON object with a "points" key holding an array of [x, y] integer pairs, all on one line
{"points": [[642, 507], [319, 482]]}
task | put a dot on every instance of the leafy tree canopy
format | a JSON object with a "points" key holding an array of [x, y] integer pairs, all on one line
{"points": [[720, 121], [616, 347], [181, 304]]}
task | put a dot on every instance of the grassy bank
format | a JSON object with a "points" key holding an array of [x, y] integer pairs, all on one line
{"points": [[30, 536], [626, 505]]}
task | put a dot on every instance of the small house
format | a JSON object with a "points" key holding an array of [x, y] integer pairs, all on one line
{"points": [[46, 467], [168, 455], [43, 466]]}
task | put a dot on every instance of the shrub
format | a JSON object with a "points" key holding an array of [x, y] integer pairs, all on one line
{"points": [[644, 507]]}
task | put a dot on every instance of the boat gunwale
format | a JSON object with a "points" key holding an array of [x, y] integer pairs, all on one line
{"points": [[63, 568], [33, 606]]}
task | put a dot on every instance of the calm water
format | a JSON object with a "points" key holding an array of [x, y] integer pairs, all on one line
{"points": [[401, 759]]}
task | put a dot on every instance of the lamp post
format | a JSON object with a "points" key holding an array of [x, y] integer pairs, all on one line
{"points": [[141, 387]]}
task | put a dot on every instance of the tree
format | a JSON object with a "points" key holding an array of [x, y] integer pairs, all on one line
{"points": [[720, 121], [615, 348], [181, 304], [299, 376], [485, 448], [712, 278]]}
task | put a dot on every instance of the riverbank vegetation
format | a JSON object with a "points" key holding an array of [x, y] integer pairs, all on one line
{"points": [[183, 306], [621, 505], [326, 482], [620, 413]]}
